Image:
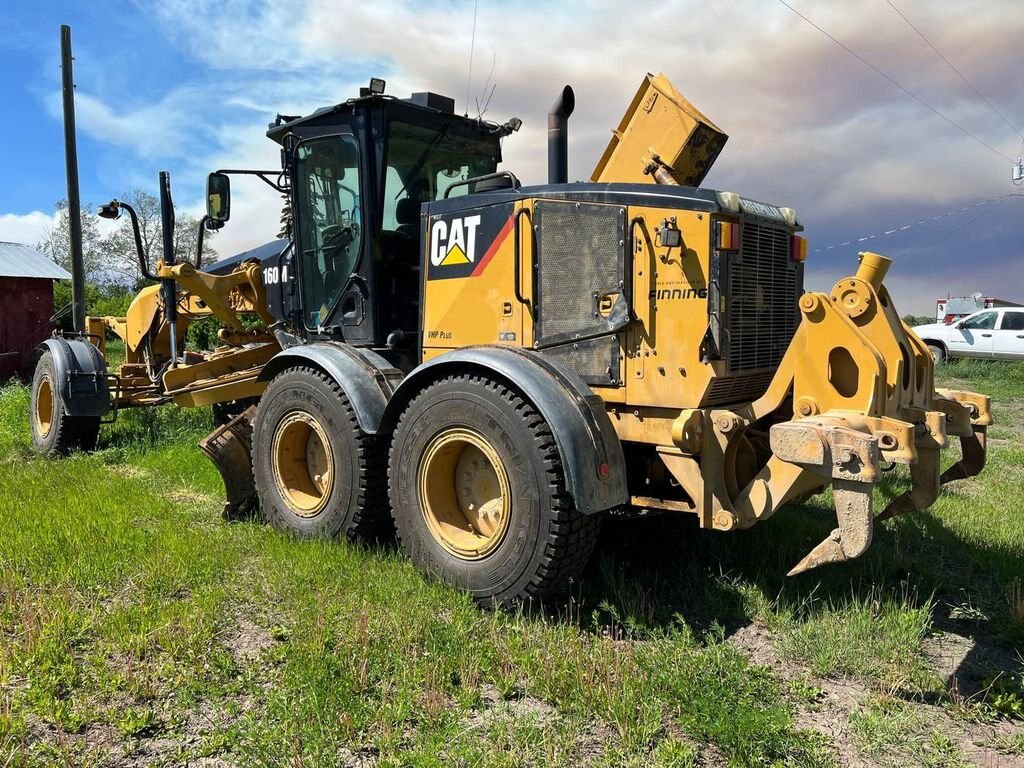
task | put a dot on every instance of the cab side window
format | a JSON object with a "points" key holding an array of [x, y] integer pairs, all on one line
{"points": [[1012, 321], [986, 321]]}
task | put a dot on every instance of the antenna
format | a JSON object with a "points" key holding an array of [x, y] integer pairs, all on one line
{"points": [[472, 45], [486, 96]]}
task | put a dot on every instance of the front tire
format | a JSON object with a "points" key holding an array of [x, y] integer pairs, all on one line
{"points": [[317, 474], [478, 494], [938, 353], [53, 431]]}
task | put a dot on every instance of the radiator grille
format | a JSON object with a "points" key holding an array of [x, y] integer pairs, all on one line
{"points": [[737, 389], [762, 294]]}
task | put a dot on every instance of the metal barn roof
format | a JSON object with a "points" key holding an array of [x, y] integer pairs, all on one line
{"points": [[17, 260]]}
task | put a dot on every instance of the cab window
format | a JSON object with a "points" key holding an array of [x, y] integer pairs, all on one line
{"points": [[984, 321], [1012, 321], [330, 226], [423, 162]]}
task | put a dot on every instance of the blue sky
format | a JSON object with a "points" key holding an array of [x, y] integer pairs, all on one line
{"points": [[115, 48], [188, 86]]}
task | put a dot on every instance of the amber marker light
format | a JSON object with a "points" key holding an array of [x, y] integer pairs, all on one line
{"points": [[798, 248]]}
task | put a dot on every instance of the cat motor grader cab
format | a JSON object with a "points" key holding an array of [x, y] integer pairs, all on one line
{"points": [[491, 367]]}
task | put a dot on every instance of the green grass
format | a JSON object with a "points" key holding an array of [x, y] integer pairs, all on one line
{"points": [[889, 730], [135, 622]]}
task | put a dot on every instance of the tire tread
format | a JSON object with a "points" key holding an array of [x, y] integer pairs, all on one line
{"points": [[572, 536], [370, 522]]}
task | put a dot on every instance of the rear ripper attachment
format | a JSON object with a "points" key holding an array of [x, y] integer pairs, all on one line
{"points": [[861, 385]]}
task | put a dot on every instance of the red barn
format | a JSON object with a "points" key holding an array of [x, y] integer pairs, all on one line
{"points": [[26, 304]]}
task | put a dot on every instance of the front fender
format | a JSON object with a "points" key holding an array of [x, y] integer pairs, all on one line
{"points": [[81, 374], [591, 454]]}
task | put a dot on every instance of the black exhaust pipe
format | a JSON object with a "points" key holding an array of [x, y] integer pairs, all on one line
{"points": [[71, 165], [558, 136]]}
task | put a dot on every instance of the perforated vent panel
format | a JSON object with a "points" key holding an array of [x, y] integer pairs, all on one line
{"points": [[763, 288], [596, 361], [580, 255]]}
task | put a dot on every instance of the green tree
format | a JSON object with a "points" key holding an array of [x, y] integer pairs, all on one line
{"points": [[121, 243], [56, 242], [913, 320], [100, 301]]}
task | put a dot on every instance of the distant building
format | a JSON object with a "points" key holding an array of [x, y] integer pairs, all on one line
{"points": [[26, 304]]}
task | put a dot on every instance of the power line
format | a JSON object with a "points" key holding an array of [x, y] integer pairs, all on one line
{"points": [[970, 221], [958, 72], [895, 230], [902, 87]]}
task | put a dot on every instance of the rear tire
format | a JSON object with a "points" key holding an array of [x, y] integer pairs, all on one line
{"points": [[938, 353], [54, 432], [478, 494], [317, 473]]}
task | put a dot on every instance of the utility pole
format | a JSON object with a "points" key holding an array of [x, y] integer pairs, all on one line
{"points": [[71, 164]]}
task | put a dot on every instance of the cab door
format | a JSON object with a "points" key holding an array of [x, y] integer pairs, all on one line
{"points": [[972, 336], [331, 238], [1008, 338]]}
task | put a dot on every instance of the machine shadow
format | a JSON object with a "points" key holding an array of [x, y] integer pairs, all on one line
{"points": [[652, 575]]}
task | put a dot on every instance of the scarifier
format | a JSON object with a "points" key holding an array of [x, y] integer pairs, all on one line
{"points": [[492, 368]]}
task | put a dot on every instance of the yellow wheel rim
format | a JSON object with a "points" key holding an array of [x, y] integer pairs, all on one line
{"points": [[44, 407], [303, 464], [464, 493]]}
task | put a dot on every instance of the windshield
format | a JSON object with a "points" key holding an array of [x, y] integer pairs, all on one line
{"points": [[422, 163], [330, 231]]}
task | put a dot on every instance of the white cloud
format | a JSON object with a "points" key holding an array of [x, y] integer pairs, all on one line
{"points": [[26, 228], [810, 126]]}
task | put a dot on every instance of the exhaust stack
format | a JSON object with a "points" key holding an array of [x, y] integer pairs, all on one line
{"points": [[558, 136]]}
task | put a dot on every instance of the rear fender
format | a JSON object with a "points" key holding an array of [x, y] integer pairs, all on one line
{"points": [[366, 378], [81, 376], [595, 468]]}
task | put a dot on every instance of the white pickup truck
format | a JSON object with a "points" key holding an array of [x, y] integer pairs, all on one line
{"points": [[991, 334]]}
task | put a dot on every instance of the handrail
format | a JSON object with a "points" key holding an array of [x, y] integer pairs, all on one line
{"points": [[516, 263], [486, 177]]}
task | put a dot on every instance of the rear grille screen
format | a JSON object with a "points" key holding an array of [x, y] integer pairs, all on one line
{"points": [[763, 288], [580, 257]]}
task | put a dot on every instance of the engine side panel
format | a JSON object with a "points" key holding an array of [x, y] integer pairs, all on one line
{"points": [[644, 323]]}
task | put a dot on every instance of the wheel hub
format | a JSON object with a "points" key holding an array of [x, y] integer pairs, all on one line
{"points": [[303, 464], [464, 493], [44, 407]]}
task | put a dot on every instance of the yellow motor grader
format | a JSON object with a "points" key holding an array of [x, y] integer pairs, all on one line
{"points": [[491, 368]]}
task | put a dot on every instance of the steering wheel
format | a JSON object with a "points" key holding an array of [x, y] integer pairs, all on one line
{"points": [[338, 237]]}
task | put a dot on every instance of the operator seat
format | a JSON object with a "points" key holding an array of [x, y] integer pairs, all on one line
{"points": [[407, 214], [400, 253]]}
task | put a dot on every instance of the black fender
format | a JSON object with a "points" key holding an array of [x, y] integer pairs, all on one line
{"points": [[81, 375], [592, 457], [366, 378]]}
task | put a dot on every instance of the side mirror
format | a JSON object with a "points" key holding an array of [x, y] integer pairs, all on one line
{"points": [[218, 197]]}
